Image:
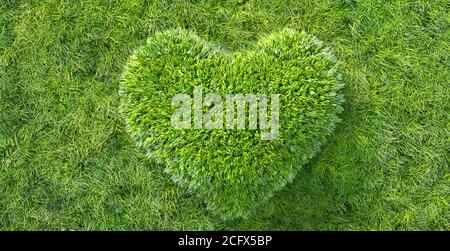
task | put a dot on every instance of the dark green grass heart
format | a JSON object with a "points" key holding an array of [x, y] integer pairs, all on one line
{"points": [[233, 170]]}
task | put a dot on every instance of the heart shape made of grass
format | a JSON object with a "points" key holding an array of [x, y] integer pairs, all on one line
{"points": [[233, 170]]}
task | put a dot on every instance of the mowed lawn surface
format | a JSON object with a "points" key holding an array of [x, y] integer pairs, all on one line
{"points": [[67, 164]]}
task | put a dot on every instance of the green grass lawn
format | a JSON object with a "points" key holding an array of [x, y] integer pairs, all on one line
{"points": [[67, 163]]}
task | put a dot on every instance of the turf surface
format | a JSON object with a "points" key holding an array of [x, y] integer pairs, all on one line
{"points": [[66, 162]]}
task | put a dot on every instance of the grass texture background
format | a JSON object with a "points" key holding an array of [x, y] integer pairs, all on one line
{"points": [[66, 162]]}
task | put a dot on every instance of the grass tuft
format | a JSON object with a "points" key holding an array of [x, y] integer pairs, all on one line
{"points": [[233, 169]]}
